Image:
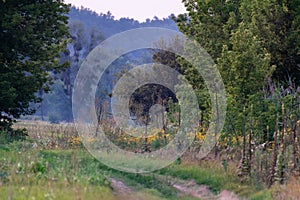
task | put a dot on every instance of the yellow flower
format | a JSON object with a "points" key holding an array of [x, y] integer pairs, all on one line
{"points": [[234, 140], [200, 136]]}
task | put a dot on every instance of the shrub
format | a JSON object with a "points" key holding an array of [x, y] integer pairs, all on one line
{"points": [[10, 135]]}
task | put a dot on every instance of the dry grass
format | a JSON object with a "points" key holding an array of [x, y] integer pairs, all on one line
{"points": [[51, 136], [289, 191], [64, 136]]}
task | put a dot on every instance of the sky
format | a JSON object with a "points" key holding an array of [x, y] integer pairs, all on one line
{"points": [[137, 9]]}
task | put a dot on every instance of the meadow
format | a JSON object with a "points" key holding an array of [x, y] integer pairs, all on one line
{"points": [[52, 163]]}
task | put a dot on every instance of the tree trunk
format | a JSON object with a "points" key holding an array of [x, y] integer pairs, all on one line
{"points": [[273, 167]]}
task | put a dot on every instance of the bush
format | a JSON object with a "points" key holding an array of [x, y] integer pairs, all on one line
{"points": [[10, 135], [39, 167]]}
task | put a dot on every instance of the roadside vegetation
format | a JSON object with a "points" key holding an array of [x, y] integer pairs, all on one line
{"points": [[255, 45], [52, 165]]}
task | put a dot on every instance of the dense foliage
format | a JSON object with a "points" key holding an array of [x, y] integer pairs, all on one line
{"points": [[256, 48], [255, 45], [32, 36]]}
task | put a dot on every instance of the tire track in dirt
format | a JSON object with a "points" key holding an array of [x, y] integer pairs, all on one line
{"points": [[185, 188], [191, 188], [203, 192], [123, 192]]}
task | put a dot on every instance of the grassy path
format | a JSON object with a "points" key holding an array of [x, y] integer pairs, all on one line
{"points": [[72, 174], [122, 191], [27, 173]]}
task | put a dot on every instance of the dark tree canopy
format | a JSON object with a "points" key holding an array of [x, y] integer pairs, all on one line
{"points": [[274, 23], [33, 33]]}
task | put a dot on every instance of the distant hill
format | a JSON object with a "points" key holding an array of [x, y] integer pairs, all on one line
{"points": [[109, 26], [88, 29]]}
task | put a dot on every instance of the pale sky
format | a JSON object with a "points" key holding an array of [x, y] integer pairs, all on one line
{"points": [[136, 9]]}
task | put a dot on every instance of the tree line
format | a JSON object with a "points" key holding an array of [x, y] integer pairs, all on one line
{"points": [[255, 46]]}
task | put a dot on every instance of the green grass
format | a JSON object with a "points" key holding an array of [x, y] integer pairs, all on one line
{"points": [[87, 166], [262, 195], [217, 179], [65, 174], [34, 174], [55, 190], [27, 173]]}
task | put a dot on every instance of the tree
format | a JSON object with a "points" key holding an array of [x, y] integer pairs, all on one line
{"points": [[277, 23], [210, 24], [32, 36], [254, 44], [245, 65], [84, 39], [206, 22]]}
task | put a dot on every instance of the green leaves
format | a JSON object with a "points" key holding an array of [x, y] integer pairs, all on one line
{"points": [[205, 23], [32, 35], [245, 66], [250, 40]]}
